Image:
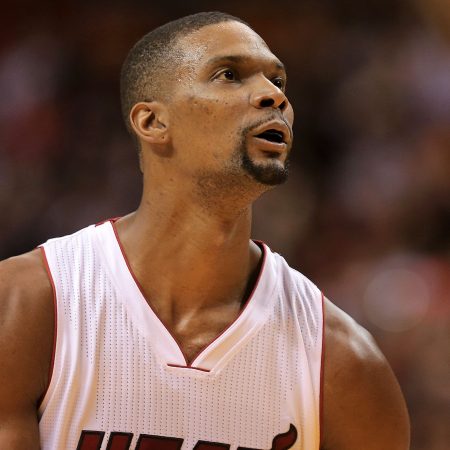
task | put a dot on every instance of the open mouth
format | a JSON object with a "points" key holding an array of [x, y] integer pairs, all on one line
{"points": [[272, 136]]}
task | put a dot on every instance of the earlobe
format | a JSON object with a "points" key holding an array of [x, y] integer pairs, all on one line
{"points": [[149, 122]]}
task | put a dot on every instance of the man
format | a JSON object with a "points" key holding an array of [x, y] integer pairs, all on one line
{"points": [[169, 328]]}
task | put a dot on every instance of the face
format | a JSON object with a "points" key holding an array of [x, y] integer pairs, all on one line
{"points": [[230, 120]]}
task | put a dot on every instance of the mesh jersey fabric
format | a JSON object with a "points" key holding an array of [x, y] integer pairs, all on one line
{"points": [[120, 381]]}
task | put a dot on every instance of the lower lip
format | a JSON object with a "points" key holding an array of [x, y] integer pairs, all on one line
{"points": [[277, 147]]}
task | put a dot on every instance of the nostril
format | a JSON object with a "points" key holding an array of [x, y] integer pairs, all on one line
{"points": [[267, 102], [283, 106]]}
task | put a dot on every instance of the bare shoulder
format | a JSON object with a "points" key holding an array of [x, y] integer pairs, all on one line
{"points": [[24, 272], [25, 288], [363, 403], [26, 342]]}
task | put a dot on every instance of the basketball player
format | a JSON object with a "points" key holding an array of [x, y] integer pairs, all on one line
{"points": [[169, 328]]}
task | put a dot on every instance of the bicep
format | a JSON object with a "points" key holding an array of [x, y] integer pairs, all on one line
{"points": [[18, 407], [26, 341], [19, 430], [18, 389], [363, 403]]}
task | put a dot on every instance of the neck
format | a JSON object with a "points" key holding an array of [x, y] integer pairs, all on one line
{"points": [[188, 258]]}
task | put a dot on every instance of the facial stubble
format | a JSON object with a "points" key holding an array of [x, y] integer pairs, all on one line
{"points": [[240, 172]]}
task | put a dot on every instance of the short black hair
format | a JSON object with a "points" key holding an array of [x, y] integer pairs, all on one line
{"points": [[152, 60]]}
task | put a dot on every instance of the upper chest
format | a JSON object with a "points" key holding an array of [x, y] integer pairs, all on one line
{"points": [[195, 332]]}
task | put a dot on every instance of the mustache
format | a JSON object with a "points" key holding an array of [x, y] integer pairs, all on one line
{"points": [[249, 128]]}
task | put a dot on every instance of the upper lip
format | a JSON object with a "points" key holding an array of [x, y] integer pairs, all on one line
{"points": [[275, 125]]}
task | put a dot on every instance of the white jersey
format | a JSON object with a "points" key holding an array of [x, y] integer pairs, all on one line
{"points": [[120, 381]]}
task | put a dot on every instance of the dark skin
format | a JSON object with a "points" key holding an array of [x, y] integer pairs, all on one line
{"points": [[196, 204]]}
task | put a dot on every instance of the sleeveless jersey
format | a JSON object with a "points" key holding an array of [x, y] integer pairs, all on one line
{"points": [[120, 381]]}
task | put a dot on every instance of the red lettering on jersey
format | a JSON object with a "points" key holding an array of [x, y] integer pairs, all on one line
{"points": [[286, 440], [119, 441], [90, 440], [149, 442], [205, 445]]}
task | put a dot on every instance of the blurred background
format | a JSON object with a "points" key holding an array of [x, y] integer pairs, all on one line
{"points": [[366, 213]]}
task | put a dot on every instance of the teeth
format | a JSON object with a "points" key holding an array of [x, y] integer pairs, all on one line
{"points": [[272, 136]]}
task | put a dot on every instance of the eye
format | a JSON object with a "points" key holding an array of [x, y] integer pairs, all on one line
{"points": [[279, 82], [228, 75]]}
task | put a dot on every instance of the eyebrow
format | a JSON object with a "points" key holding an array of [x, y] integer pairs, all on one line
{"points": [[240, 59]]}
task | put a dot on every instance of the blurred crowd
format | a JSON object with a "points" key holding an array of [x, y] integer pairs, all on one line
{"points": [[366, 213]]}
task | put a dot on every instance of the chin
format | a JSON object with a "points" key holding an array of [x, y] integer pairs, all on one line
{"points": [[269, 173]]}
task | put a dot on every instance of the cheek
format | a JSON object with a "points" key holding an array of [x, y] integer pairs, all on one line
{"points": [[207, 118], [289, 114], [211, 109], [205, 129]]}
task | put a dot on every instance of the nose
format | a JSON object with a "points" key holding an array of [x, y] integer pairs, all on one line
{"points": [[267, 95]]}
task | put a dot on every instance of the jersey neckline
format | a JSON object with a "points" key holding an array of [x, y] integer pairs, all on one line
{"points": [[215, 354]]}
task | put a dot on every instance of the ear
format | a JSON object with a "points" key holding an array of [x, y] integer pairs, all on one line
{"points": [[149, 122]]}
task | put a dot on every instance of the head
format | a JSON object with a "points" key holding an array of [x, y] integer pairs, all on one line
{"points": [[205, 99]]}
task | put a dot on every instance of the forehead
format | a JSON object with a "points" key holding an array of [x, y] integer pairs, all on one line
{"points": [[225, 39]]}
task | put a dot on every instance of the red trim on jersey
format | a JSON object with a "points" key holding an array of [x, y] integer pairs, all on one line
{"points": [[322, 372], [55, 328], [189, 365], [112, 220]]}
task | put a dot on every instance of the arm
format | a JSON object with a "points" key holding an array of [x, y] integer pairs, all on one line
{"points": [[363, 405], [26, 345]]}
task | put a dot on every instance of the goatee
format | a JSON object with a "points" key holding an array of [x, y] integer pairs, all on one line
{"points": [[271, 173]]}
